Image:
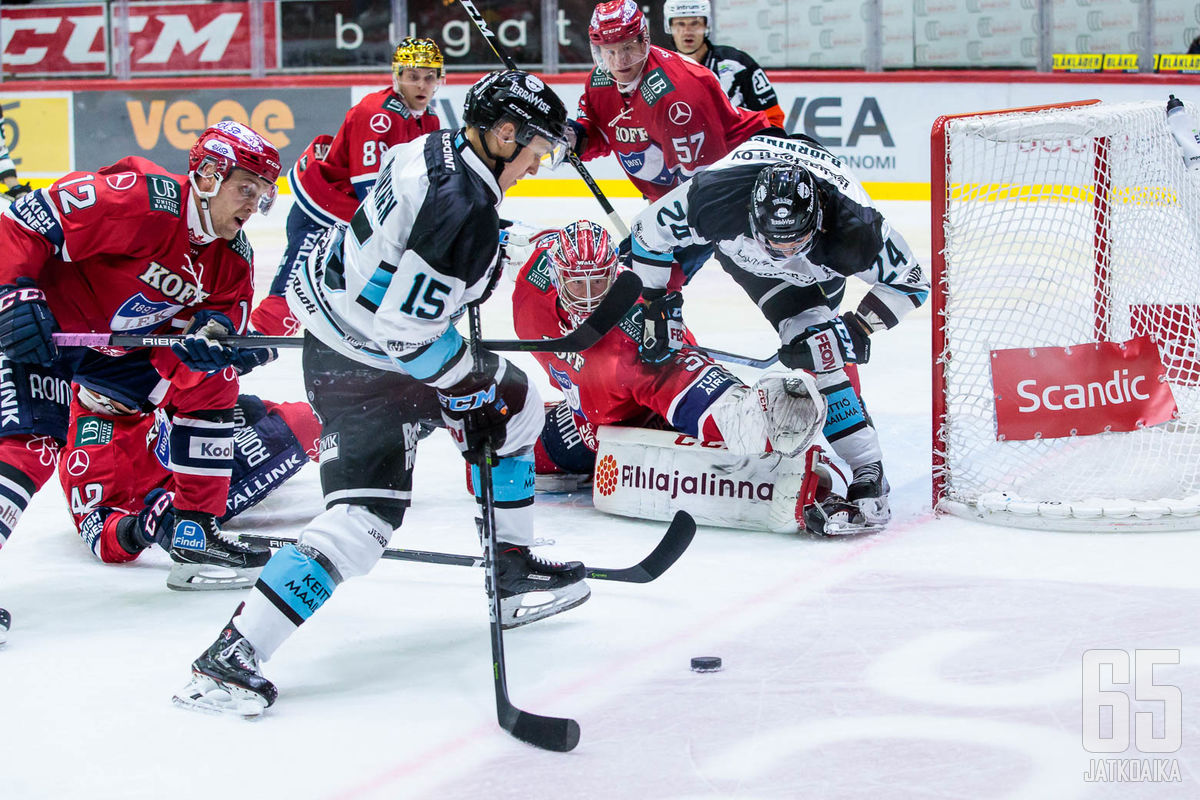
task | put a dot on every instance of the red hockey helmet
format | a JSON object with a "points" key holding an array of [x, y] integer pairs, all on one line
{"points": [[229, 144], [583, 263], [615, 21], [620, 39]]}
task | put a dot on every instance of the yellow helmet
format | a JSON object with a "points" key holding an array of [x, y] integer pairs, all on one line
{"points": [[418, 53]]}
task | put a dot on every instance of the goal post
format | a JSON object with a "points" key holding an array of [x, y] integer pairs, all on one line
{"points": [[1066, 307]]}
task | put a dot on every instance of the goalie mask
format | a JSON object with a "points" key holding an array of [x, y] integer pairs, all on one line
{"points": [[620, 40], [583, 264], [785, 210], [227, 145]]}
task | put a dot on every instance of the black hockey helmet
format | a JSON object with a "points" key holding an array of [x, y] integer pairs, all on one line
{"points": [[785, 210], [516, 96]]}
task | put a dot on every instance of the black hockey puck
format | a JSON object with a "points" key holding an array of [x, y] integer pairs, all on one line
{"points": [[706, 664]]}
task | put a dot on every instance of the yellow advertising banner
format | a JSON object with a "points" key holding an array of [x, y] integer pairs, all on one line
{"points": [[37, 129]]}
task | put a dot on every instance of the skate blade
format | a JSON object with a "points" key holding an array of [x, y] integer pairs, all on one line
{"points": [[208, 696], [519, 610], [840, 523], [209, 577]]}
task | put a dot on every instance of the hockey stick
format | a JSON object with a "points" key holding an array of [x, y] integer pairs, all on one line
{"points": [[559, 734], [621, 296], [490, 37], [734, 358], [668, 550]]}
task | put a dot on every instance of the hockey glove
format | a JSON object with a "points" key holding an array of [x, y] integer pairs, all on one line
{"points": [[26, 324], [475, 410], [829, 346], [625, 252], [202, 352], [662, 326], [247, 358], [576, 137], [18, 189], [156, 522]]}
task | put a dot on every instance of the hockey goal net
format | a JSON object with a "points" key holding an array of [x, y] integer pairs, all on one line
{"points": [[1065, 239]]}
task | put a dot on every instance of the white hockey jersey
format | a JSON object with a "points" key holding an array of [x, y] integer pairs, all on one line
{"points": [[385, 290], [854, 239]]}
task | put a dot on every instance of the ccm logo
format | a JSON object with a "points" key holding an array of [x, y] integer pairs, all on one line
{"points": [[1056, 397], [24, 295]]}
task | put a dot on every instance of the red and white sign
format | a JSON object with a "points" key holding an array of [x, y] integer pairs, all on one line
{"points": [[163, 38], [1053, 392]]}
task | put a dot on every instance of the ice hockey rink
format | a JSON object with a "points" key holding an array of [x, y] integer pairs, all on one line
{"points": [[938, 659]]}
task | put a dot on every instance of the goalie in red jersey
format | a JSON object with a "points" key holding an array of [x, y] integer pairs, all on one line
{"points": [[759, 432], [133, 249]]}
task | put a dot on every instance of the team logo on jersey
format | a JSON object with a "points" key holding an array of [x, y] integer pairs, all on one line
{"points": [[78, 463], [654, 86], [93, 431], [679, 112], [139, 314], [381, 123], [122, 181]]}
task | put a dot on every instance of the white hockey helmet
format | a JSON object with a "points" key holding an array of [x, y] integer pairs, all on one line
{"points": [[686, 8]]}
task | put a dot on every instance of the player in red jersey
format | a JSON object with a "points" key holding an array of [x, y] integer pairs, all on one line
{"points": [[132, 248], [335, 173], [114, 466], [664, 116], [564, 279]]}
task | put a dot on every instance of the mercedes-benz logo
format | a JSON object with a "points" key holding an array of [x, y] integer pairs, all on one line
{"points": [[679, 112], [380, 123], [78, 462]]}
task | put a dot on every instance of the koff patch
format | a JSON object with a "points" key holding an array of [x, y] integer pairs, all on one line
{"points": [[93, 431]]}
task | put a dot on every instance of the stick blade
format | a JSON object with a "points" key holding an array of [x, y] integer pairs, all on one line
{"points": [[675, 541], [557, 734]]}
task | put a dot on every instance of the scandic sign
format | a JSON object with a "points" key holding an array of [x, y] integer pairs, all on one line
{"points": [[1053, 392], [163, 38]]}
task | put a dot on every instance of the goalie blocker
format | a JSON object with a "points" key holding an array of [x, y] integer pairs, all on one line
{"points": [[651, 474]]}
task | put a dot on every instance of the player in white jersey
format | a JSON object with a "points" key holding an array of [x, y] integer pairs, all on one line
{"points": [[790, 223], [381, 355]]}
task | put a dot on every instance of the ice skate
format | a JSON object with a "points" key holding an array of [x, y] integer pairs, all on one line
{"points": [[5, 624], [864, 509], [226, 679], [207, 558], [532, 588]]}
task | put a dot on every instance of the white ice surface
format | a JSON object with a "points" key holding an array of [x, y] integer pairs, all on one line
{"points": [[939, 659]]}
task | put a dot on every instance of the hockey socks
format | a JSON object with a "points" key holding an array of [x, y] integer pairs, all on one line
{"points": [[293, 585]]}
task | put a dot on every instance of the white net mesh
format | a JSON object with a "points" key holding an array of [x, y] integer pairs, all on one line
{"points": [[1062, 227]]}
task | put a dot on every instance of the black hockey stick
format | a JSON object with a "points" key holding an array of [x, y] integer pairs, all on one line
{"points": [[621, 296], [490, 37], [734, 358], [668, 550], [559, 734]]}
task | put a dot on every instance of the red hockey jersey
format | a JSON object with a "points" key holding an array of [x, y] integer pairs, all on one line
{"points": [[676, 122], [326, 176], [608, 384], [111, 251]]}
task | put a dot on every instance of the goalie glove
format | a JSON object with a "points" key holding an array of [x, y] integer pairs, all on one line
{"points": [[662, 326], [829, 346]]}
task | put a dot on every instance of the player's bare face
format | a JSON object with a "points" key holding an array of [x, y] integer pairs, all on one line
{"points": [[688, 33], [236, 201], [417, 86], [624, 60], [525, 163]]}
